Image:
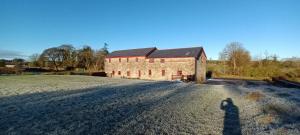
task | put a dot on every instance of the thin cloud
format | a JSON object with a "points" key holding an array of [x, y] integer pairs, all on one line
{"points": [[10, 54]]}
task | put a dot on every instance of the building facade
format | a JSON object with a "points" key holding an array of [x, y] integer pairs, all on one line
{"points": [[154, 64]]}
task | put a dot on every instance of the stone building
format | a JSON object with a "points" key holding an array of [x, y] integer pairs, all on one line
{"points": [[154, 64]]}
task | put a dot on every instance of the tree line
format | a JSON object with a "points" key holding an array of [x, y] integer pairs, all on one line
{"points": [[235, 60], [67, 57]]}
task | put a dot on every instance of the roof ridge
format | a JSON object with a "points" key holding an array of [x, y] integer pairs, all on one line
{"points": [[177, 52], [179, 48], [132, 52], [134, 49]]}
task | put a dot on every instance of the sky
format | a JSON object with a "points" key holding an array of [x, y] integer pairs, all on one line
{"points": [[30, 26]]}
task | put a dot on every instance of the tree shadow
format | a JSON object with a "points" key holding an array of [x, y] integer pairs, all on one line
{"points": [[231, 118]]}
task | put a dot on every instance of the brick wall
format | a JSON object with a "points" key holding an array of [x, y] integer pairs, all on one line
{"points": [[170, 66], [201, 69], [133, 65]]}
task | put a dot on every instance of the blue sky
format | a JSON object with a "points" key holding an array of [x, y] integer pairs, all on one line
{"points": [[30, 26]]}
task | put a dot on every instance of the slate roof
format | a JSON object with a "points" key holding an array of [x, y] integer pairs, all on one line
{"points": [[132, 52], [179, 52]]}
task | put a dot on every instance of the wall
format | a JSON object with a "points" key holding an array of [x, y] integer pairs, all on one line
{"points": [[170, 65], [132, 66], [201, 68]]}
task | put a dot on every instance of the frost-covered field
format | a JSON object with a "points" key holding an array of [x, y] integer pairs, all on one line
{"points": [[94, 105]]}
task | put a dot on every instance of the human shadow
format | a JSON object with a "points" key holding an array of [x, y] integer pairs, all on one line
{"points": [[231, 118]]}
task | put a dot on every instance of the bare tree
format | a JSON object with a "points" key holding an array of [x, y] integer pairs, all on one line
{"points": [[34, 60], [222, 57], [54, 56], [69, 55], [237, 56]]}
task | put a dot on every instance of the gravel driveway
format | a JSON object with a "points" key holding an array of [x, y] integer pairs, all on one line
{"points": [[93, 105]]}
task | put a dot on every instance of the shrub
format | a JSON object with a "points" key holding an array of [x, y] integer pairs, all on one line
{"points": [[103, 74], [79, 73], [5, 70]]}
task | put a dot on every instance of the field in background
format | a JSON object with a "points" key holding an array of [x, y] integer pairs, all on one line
{"points": [[257, 70], [65, 104]]}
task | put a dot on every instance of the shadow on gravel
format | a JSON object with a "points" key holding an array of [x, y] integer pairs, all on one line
{"points": [[285, 109], [231, 118], [99, 110]]}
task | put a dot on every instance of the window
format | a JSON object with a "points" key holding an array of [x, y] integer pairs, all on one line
{"points": [[119, 59], [119, 72], [136, 59], [179, 72], [150, 72], [127, 59], [151, 60], [128, 73], [109, 60], [113, 73], [163, 72], [162, 60]]}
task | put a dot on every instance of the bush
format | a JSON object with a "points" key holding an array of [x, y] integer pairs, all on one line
{"points": [[31, 69], [79, 73], [69, 68], [5, 70], [103, 74]]}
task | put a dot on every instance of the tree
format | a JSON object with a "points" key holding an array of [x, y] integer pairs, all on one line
{"points": [[62, 56], [85, 57], [34, 60], [100, 57], [222, 57], [69, 55], [104, 49], [53, 56], [18, 64], [2, 63], [237, 56]]}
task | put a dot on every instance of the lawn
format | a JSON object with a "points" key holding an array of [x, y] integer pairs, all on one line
{"points": [[70, 104]]}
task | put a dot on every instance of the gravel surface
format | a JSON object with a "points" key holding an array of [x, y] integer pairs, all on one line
{"points": [[60, 104]]}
